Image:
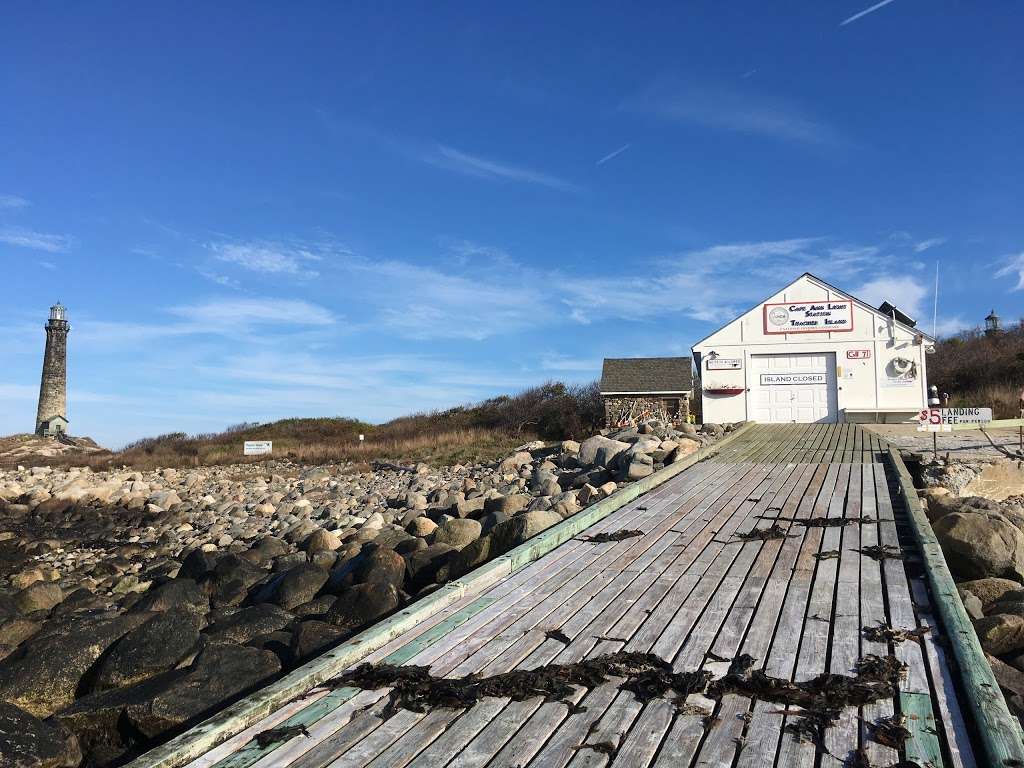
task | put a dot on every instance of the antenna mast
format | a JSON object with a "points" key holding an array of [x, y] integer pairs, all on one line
{"points": [[935, 305]]}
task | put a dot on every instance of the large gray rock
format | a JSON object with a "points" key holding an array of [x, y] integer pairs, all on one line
{"points": [[249, 623], [508, 505], [321, 540], [989, 591], [639, 466], [313, 637], [299, 585], [362, 604], [28, 742], [41, 596], [47, 672], [14, 632], [422, 566], [600, 450], [518, 529], [1001, 633], [175, 594], [164, 703], [981, 544], [381, 565], [458, 532], [475, 553], [155, 647]]}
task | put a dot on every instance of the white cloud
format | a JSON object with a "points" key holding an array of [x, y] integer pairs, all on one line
{"points": [[722, 106], [1013, 266], [13, 201], [924, 245], [267, 258], [948, 326], [427, 303], [473, 165], [466, 252], [553, 361], [40, 241], [243, 312], [219, 279], [901, 291]]}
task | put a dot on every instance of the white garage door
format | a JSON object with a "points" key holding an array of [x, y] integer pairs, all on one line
{"points": [[793, 388]]}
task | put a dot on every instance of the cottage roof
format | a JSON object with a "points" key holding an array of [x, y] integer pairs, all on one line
{"points": [[646, 375]]}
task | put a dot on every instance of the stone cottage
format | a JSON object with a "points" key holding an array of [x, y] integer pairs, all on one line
{"points": [[634, 388]]}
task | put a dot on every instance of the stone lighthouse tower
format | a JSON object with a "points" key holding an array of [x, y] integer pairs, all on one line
{"points": [[52, 416]]}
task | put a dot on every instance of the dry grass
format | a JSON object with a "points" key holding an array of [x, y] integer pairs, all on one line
{"points": [[982, 371], [1003, 400], [466, 434]]}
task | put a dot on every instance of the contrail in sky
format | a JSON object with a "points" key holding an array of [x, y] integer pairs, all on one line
{"points": [[612, 155], [865, 12]]}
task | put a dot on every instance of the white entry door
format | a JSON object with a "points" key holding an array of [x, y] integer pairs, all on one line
{"points": [[793, 388]]}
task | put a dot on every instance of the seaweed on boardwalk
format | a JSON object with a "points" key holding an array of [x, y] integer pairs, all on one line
{"points": [[889, 731], [876, 679], [271, 736], [603, 747], [827, 554], [557, 634], [811, 726], [645, 675], [605, 536], [881, 552], [883, 633], [414, 688], [764, 534]]}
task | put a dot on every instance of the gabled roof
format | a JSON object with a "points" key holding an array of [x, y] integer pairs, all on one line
{"points": [[638, 375], [828, 286]]}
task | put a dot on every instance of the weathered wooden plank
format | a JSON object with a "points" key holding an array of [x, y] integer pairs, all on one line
{"points": [[872, 611]]}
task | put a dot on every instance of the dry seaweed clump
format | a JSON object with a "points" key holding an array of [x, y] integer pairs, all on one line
{"points": [[605, 536], [280, 734], [764, 534], [876, 679], [883, 552], [883, 633], [414, 688], [889, 731]]}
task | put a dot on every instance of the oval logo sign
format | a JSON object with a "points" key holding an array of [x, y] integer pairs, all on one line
{"points": [[778, 316]]}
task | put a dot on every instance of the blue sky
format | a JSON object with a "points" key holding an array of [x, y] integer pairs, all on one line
{"points": [[258, 210]]}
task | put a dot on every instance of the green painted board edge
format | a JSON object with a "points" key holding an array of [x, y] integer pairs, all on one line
{"points": [[998, 730], [923, 745], [236, 718]]}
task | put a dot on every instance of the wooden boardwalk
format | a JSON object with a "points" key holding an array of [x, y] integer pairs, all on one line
{"points": [[691, 592]]}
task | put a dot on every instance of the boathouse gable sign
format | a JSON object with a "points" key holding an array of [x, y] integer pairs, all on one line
{"points": [[808, 317]]}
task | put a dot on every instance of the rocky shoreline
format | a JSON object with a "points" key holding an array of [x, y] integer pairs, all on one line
{"points": [[982, 540], [133, 605]]}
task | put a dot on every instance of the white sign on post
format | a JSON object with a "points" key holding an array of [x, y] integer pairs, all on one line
{"points": [[943, 419], [724, 363], [257, 447], [808, 317]]}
